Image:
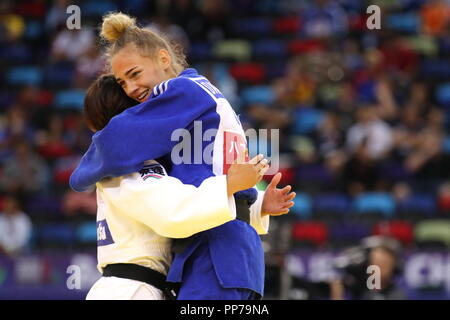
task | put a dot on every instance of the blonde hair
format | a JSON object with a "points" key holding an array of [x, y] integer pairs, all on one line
{"points": [[120, 30]]}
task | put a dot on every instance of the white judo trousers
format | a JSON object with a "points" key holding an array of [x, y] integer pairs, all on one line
{"points": [[113, 288]]}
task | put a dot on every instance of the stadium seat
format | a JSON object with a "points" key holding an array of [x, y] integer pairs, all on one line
{"points": [[31, 75], [332, 202], [307, 120], [446, 145], [237, 50], [252, 73], [423, 44], [375, 202], [303, 206], [92, 8], [422, 203], [305, 46], [44, 205], [443, 94], [434, 232], [86, 233], [56, 235], [404, 22], [286, 25], [400, 230], [33, 30], [310, 232], [435, 69], [248, 27], [199, 51], [59, 75], [348, 233], [69, 99], [258, 94], [269, 48], [316, 173], [15, 53], [275, 69]]}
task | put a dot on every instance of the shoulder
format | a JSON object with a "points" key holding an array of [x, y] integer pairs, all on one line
{"points": [[178, 85]]}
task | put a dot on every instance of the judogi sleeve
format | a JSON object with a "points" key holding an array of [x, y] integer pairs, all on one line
{"points": [[169, 207], [261, 224], [142, 132]]}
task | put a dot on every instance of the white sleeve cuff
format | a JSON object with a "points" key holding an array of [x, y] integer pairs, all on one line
{"points": [[261, 224]]}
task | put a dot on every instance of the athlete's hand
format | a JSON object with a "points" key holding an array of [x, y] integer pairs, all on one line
{"points": [[243, 175], [276, 201]]}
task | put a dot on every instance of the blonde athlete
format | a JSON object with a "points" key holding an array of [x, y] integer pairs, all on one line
{"points": [[138, 213]]}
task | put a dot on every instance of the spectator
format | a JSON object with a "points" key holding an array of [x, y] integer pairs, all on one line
{"points": [[369, 142], [324, 18], [25, 171], [70, 45], [15, 227]]}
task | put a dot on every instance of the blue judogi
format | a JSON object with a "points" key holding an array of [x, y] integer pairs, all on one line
{"points": [[232, 252]]}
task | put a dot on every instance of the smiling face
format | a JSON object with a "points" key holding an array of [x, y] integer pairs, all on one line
{"points": [[138, 74]]}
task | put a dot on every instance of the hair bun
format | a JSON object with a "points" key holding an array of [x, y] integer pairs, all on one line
{"points": [[115, 24]]}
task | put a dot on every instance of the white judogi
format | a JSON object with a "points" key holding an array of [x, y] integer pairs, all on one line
{"points": [[139, 212]]}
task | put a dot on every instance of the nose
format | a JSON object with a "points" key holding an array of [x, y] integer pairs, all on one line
{"points": [[132, 89]]}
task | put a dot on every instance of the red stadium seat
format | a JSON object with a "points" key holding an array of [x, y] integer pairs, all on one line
{"points": [[400, 230], [311, 231], [285, 25], [305, 46], [249, 72]]}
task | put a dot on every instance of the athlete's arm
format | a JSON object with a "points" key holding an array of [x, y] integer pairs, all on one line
{"points": [[169, 207]]}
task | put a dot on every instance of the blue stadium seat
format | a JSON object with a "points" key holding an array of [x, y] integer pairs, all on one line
{"points": [[44, 205], [94, 8], [419, 203], [443, 94], [332, 202], [269, 48], [404, 22], [59, 75], [15, 53], [251, 26], [446, 144], [313, 173], [87, 233], [348, 232], [70, 99], [31, 75], [199, 51], [435, 69], [258, 94], [375, 202], [307, 120], [34, 30], [303, 206], [57, 234]]}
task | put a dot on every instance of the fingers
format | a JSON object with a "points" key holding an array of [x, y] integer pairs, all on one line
{"points": [[286, 189], [241, 156], [256, 159], [275, 180], [290, 196]]}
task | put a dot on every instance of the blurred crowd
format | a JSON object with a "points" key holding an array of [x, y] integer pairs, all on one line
{"points": [[360, 112]]}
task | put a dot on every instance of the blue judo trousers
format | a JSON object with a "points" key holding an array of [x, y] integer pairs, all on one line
{"points": [[226, 262]]}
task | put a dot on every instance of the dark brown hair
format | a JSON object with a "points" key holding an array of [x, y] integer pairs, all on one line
{"points": [[104, 100]]}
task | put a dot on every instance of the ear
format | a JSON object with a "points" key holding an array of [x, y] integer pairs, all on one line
{"points": [[164, 59]]}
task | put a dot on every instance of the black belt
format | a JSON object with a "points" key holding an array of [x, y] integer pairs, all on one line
{"points": [[140, 273], [242, 213]]}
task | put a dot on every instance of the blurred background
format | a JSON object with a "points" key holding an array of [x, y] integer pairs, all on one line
{"points": [[364, 119]]}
